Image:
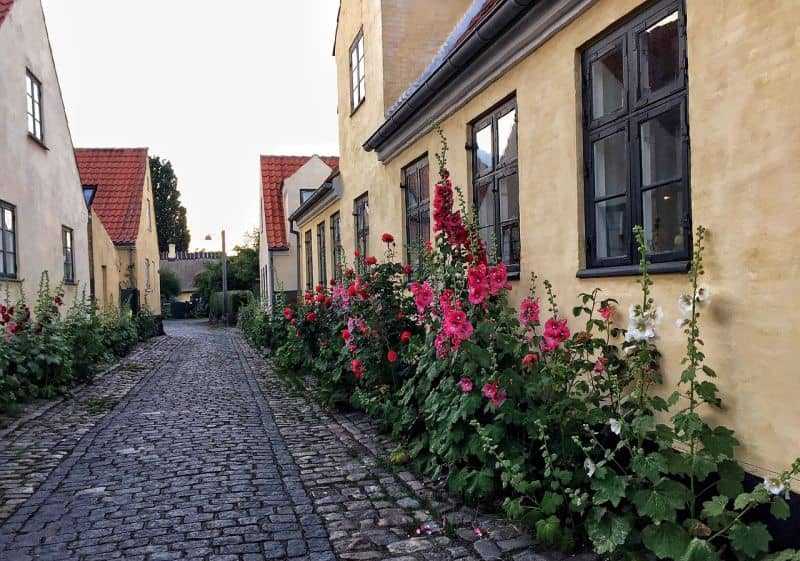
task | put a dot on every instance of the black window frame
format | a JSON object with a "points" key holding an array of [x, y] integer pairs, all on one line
{"points": [[358, 74], [322, 256], [5, 233], [32, 103], [337, 250], [361, 225], [309, 260], [493, 177], [637, 108], [68, 253], [419, 208], [305, 194]]}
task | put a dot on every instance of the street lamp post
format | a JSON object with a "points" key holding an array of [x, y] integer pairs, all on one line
{"points": [[224, 258]]}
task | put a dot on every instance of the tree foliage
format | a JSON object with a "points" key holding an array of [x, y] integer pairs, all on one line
{"points": [[242, 269], [170, 213], [170, 283]]}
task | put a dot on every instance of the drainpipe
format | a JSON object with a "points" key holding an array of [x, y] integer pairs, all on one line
{"points": [[296, 251], [268, 278], [91, 257]]}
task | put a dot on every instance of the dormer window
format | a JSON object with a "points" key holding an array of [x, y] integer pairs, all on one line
{"points": [[358, 89]]}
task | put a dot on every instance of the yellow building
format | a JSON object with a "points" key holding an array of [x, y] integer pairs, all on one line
{"points": [[571, 121], [123, 208]]}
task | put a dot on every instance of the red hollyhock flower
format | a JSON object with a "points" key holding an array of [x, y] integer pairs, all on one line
{"points": [[58, 300], [346, 334], [387, 238], [333, 282], [370, 260], [405, 336], [352, 348], [392, 356], [311, 317], [400, 315], [408, 268], [319, 288], [357, 368], [287, 313], [357, 254], [606, 312]]}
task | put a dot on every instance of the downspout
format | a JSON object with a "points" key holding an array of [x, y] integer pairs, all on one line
{"points": [[296, 251], [91, 257]]}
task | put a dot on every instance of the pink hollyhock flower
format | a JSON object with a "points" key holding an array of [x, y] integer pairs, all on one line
{"points": [[530, 359], [498, 278], [442, 345], [405, 336], [477, 284], [370, 260], [423, 295], [606, 312], [490, 389], [357, 368], [529, 311], [600, 366], [555, 331], [293, 321], [465, 384], [392, 356], [387, 238], [498, 399], [456, 325]]}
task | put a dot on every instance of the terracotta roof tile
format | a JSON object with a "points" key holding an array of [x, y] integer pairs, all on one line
{"points": [[119, 174], [274, 169], [5, 7]]}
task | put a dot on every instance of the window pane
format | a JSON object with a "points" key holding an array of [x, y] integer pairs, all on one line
{"points": [[483, 149], [662, 210], [661, 147], [659, 54], [424, 188], [8, 241], [507, 136], [36, 93], [425, 225], [31, 126], [413, 230], [608, 87], [610, 165], [412, 189], [610, 228], [484, 201], [362, 89], [11, 268], [29, 85], [69, 240], [8, 221], [508, 190], [510, 244], [486, 237], [353, 60]]}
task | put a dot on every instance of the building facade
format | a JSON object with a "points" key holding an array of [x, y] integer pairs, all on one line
{"points": [[44, 221], [123, 206], [571, 121], [286, 183]]}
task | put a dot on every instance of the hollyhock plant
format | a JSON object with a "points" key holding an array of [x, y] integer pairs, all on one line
{"points": [[529, 311], [477, 284]]}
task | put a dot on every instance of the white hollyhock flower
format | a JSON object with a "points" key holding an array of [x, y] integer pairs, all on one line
{"points": [[774, 485], [681, 323], [632, 313], [685, 304], [616, 426], [654, 316], [640, 329], [703, 295], [590, 467]]}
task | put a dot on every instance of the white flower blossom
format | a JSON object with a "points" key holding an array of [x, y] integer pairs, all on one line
{"points": [[685, 304], [681, 323], [616, 426], [703, 295], [654, 316], [774, 485], [640, 329], [590, 467]]}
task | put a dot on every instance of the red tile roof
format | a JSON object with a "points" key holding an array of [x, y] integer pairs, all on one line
{"points": [[274, 169], [119, 174], [5, 7]]}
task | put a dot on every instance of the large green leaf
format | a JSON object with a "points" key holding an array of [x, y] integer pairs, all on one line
{"points": [[650, 465], [779, 509], [719, 442], [662, 501], [750, 541], [667, 540], [551, 501], [609, 487], [607, 530], [700, 550], [715, 507]]}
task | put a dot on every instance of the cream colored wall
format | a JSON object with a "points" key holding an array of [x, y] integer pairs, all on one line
{"points": [[42, 183], [147, 248], [310, 223], [745, 137], [105, 256]]}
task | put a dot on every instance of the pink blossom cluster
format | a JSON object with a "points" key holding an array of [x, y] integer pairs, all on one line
{"points": [[555, 331], [456, 327], [529, 311], [423, 295], [483, 281], [492, 391]]}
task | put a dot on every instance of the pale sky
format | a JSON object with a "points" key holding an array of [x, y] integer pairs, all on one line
{"points": [[207, 85]]}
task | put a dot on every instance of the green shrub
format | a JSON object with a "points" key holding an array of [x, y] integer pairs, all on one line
{"points": [[236, 299], [146, 324]]}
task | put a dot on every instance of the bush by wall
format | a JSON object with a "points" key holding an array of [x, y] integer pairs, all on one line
{"points": [[561, 425], [236, 299], [47, 350]]}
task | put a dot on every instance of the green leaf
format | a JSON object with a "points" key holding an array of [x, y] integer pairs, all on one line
{"points": [[709, 372], [548, 530], [551, 501], [704, 465], [715, 507], [609, 488], [785, 555], [662, 502], [731, 476], [643, 424], [667, 540], [780, 509], [607, 530], [700, 550], [719, 442], [650, 465], [749, 541]]}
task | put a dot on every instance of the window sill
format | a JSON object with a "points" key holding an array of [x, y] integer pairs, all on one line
{"points": [[11, 279], [70, 283], [39, 142], [633, 270]]}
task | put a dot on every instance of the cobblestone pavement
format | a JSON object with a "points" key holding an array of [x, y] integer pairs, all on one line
{"points": [[204, 456]]}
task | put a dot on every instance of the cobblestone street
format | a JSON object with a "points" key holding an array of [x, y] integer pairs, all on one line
{"points": [[191, 450]]}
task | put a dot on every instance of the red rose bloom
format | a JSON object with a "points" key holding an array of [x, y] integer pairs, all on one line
{"points": [[387, 238], [287, 314], [370, 260], [311, 317], [346, 334], [357, 368], [391, 356], [405, 336]]}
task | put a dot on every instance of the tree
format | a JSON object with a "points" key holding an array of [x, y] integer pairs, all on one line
{"points": [[170, 284], [170, 213], [243, 271]]}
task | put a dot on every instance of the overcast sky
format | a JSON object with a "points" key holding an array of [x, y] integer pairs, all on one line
{"points": [[207, 85]]}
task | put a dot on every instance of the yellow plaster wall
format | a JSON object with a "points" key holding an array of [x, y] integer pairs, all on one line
{"points": [[744, 117], [105, 255], [147, 248]]}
